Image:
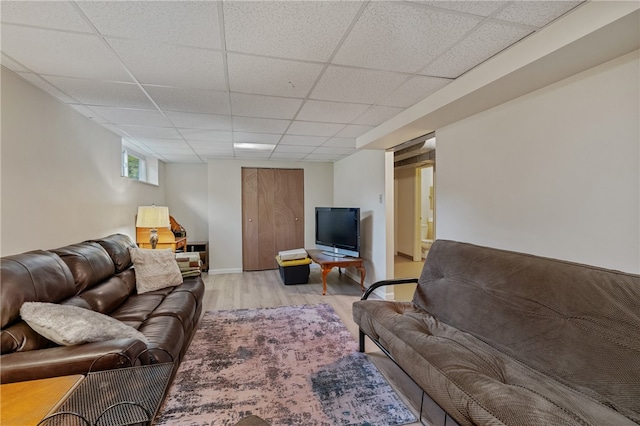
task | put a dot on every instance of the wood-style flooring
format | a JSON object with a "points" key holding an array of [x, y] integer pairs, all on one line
{"points": [[265, 289]]}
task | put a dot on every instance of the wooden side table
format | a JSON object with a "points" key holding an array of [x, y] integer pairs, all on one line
{"points": [[26, 403], [327, 263]]}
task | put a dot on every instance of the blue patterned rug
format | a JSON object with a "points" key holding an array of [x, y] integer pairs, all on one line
{"points": [[293, 365]]}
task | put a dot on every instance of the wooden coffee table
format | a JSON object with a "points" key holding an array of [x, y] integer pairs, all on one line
{"points": [[327, 263], [26, 403]]}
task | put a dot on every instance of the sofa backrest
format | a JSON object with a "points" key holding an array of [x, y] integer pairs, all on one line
{"points": [[89, 263], [37, 276], [117, 246], [576, 323]]}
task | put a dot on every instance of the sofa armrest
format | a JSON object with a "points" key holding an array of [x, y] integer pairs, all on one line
{"points": [[378, 284], [69, 360]]}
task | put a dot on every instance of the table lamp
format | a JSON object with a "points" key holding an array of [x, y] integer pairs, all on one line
{"points": [[153, 217]]}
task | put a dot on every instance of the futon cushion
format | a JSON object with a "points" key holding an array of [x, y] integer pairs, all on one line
{"points": [[473, 381]]}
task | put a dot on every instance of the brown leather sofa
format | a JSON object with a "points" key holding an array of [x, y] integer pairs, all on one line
{"points": [[497, 337], [96, 275]]}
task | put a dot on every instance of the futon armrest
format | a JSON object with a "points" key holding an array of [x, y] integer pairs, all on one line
{"points": [[387, 282]]}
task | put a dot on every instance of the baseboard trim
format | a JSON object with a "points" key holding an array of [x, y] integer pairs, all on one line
{"points": [[225, 271]]}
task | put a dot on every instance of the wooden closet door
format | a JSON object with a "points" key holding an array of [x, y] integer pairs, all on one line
{"points": [[250, 219], [289, 209], [272, 215]]}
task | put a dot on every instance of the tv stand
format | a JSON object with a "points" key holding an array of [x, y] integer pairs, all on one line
{"points": [[334, 254], [328, 261]]}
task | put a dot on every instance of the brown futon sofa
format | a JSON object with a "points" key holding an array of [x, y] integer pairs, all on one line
{"points": [[96, 275], [497, 337]]}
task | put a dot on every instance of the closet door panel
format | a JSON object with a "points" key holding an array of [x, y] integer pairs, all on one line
{"points": [[266, 235], [250, 217], [289, 209]]}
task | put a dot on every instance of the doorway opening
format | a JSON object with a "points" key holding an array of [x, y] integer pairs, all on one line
{"points": [[414, 209]]}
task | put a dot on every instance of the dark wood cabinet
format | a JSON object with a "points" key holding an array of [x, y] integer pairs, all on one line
{"points": [[272, 215], [202, 248]]}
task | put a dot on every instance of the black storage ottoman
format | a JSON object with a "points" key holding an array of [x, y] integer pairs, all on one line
{"points": [[294, 271]]}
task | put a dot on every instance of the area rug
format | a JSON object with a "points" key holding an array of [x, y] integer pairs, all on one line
{"points": [[293, 365]]}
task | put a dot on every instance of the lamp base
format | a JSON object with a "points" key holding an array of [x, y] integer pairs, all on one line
{"points": [[153, 238]]}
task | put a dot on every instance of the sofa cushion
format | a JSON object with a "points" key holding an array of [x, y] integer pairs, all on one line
{"points": [[19, 337], [69, 325], [117, 246], [155, 269], [37, 276], [166, 338], [474, 382], [106, 296], [89, 263], [137, 307]]}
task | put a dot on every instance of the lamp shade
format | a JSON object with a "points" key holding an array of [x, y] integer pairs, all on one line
{"points": [[153, 217]]}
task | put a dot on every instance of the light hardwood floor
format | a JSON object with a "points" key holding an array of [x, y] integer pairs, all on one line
{"points": [[264, 289]]}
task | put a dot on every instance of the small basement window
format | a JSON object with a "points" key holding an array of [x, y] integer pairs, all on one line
{"points": [[138, 166]]}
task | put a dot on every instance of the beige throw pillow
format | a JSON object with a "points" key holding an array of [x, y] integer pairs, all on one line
{"points": [[155, 269], [70, 325]]}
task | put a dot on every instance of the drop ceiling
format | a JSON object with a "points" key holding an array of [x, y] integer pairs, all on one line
{"points": [[183, 81]]}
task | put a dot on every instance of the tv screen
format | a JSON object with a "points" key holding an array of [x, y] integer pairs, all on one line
{"points": [[338, 228]]}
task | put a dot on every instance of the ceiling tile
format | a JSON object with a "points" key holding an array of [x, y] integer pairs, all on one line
{"points": [[259, 125], [288, 156], [277, 77], [9, 63], [297, 149], [401, 36], [132, 116], [150, 132], [189, 100], [200, 121], [356, 85], [334, 150], [341, 142], [303, 140], [174, 151], [256, 137], [88, 113], [378, 114], [264, 106], [183, 159], [480, 8], [331, 112], [308, 128], [61, 53], [414, 90], [187, 23], [211, 146], [353, 131], [46, 86], [483, 43], [206, 135], [536, 13], [59, 15], [162, 64], [306, 30], [105, 93], [257, 155], [162, 143]]}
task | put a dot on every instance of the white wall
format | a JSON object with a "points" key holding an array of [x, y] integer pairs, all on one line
{"points": [[225, 206], [359, 181], [60, 176], [554, 173], [186, 195]]}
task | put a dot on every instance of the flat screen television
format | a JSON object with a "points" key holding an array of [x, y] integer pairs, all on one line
{"points": [[338, 230]]}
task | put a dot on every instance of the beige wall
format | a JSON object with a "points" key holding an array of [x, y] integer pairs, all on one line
{"points": [[359, 181], [186, 194], [225, 206], [554, 173], [60, 176]]}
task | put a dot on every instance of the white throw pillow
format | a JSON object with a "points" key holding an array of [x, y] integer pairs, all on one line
{"points": [[70, 325], [155, 269]]}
